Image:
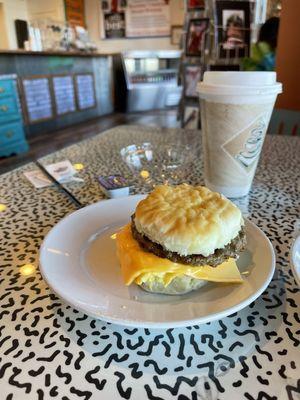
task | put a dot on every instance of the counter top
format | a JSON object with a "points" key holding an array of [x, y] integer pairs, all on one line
{"points": [[53, 53], [49, 349]]}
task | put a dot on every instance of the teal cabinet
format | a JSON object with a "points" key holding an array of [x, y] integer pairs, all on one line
{"points": [[11, 132], [8, 109], [12, 137], [6, 87]]}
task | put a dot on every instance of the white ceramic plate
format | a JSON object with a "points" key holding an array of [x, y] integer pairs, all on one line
{"points": [[78, 260], [295, 259]]}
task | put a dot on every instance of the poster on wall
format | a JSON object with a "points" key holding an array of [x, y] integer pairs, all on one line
{"points": [[147, 18], [135, 18], [113, 19], [114, 25], [74, 10]]}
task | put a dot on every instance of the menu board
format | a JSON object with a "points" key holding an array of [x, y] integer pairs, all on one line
{"points": [[37, 96], [85, 91], [64, 95]]}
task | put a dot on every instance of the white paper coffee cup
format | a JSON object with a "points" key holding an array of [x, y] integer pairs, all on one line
{"points": [[235, 112]]}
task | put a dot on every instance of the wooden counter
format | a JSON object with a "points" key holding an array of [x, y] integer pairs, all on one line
{"points": [[33, 65], [54, 53]]}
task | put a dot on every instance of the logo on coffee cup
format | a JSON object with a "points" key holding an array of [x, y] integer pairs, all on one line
{"points": [[245, 147], [252, 146]]}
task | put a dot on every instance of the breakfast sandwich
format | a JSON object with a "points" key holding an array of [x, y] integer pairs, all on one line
{"points": [[180, 238]]}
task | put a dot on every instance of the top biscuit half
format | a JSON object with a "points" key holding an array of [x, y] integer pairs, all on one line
{"points": [[188, 219]]}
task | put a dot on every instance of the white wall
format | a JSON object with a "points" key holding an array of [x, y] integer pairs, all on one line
{"points": [[93, 21], [54, 9], [3, 36], [26, 10], [42, 9], [13, 9]]}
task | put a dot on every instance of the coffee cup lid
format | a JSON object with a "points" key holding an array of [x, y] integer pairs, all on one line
{"points": [[239, 78], [239, 83]]}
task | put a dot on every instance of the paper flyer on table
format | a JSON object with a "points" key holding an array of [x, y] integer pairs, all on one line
{"points": [[62, 171]]}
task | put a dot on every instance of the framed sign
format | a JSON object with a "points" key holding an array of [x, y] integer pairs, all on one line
{"points": [[37, 100], [85, 91], [64, 94]]}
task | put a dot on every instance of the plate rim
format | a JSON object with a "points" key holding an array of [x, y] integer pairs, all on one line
{"points": [[296, 274], [150, 324]]}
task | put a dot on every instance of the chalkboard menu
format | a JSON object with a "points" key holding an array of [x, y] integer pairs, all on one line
{"points": [[37, 97], [64, 95], [85, 91]]}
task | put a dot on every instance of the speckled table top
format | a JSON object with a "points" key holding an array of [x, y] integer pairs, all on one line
{"points": [[50, 350]]}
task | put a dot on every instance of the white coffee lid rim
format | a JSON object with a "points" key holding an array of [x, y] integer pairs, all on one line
{"points": [[239, 83], [222, 90], [240, 78]]}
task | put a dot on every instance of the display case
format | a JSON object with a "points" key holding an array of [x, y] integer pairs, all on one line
{"points": [[146, 80]]}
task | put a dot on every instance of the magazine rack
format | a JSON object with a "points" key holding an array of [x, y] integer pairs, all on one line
{"points": [[212, 56]]}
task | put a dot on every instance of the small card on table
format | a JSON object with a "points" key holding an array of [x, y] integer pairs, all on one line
{"points": [[62, 171]]}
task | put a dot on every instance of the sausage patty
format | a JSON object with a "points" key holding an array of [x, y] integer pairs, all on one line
{"points": [[218, 257]]}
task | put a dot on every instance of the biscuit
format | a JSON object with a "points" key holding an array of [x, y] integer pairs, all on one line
{"points": [[188, 219]]}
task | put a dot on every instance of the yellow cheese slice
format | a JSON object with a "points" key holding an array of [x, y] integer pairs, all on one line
{"points": [[138, 265]]}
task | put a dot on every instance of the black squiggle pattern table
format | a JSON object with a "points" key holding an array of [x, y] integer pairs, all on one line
{"points": [[50, 350]]}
